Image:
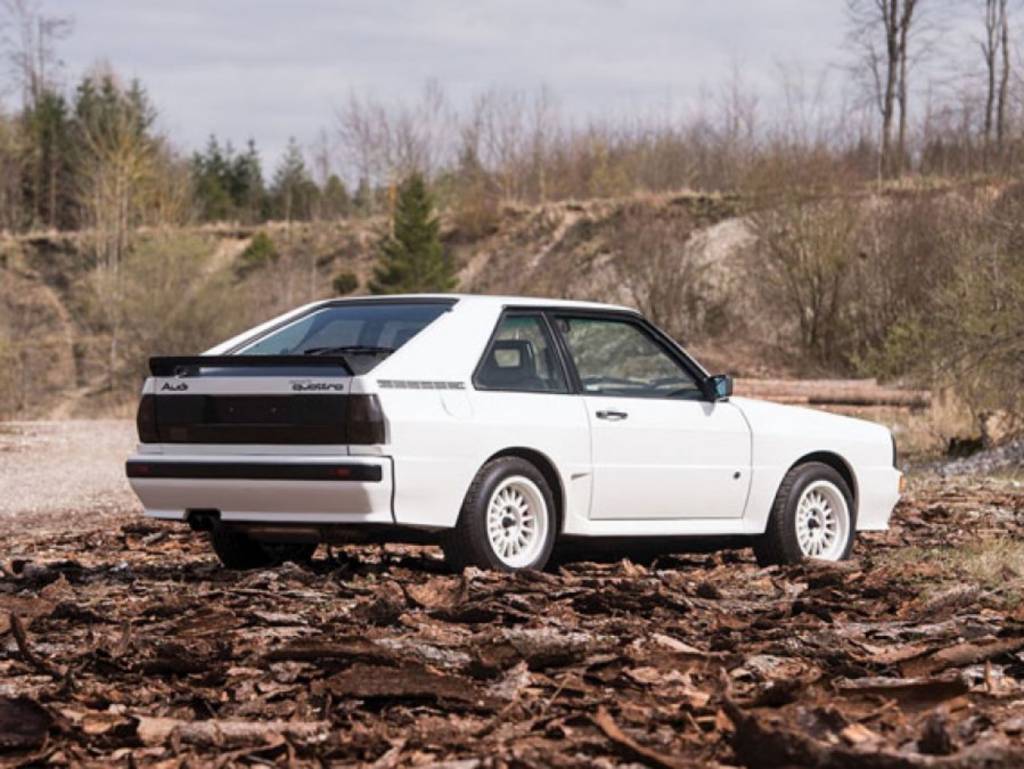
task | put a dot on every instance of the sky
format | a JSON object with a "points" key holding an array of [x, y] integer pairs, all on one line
{"points": [[271, 70]]}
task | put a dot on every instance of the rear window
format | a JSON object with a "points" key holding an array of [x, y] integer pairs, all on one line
{"points": [[364, 333]]}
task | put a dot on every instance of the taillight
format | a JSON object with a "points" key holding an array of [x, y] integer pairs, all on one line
{"points": [[364, 420], [145, 420]]}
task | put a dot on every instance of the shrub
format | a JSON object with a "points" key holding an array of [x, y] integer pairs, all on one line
{"points": [[163, 300], [345, 283], [260, 252], [800, 269]]}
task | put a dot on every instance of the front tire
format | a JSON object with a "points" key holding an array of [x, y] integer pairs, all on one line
{"points": [[813, 517], [236, 550], [507, 521]]}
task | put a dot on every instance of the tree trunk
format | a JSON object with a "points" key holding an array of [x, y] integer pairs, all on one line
{"points": [[989, 49], [889, 16], [903, 25], [1004, 80]]}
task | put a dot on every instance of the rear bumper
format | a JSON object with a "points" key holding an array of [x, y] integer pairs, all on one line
{"points": [[268, 489]]}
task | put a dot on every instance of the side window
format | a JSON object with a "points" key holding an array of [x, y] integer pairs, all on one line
{"points": [[521, 357], [616, 357]]}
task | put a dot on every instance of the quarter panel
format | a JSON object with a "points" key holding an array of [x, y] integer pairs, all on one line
{"points": [[438, 449]]}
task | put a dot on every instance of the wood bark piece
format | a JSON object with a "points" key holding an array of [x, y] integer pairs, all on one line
{"points": [[24, 723], [228, 734], [632, 750]]}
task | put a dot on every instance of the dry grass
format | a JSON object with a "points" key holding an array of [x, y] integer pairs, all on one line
{"points": [[993, 565]]}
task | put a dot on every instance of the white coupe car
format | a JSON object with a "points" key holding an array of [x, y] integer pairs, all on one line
{"points": [[497, 427]]}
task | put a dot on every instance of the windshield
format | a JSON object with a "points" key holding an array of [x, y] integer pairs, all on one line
{"points": [[364, 333]]}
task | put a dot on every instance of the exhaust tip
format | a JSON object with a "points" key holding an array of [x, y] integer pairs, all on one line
{"points": [[202, 520]]}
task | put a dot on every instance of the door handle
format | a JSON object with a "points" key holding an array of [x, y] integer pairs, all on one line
{"points": [[614, 416]]}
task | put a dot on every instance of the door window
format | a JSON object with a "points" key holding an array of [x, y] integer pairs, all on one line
{"points": [[521, 357], [618, 357]]}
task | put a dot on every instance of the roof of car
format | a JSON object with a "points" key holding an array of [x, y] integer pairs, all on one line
{"points": [[503, 301]]}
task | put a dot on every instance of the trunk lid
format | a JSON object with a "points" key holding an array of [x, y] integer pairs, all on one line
{"points": [[256, 400]]}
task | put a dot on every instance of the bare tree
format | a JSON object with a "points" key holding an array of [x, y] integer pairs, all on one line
{"points": [[660, 273], [501, 116], [801, 266], [115, 175], [30, 39], [385, 144], [880, 31], [995, 52], [1004, 77]]}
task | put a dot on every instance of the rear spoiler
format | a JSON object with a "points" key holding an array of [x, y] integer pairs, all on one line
{"points": [[189, 365]]}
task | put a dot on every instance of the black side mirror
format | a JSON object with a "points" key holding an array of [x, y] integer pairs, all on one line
{"points": [[717, 387]]}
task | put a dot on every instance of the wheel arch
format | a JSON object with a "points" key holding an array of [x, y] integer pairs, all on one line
{"points": [[837, 463], [547, 468]]}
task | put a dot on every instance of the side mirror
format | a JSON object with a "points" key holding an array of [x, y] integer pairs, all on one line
{"points": [[717, 387]]}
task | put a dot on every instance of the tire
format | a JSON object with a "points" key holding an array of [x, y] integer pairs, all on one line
{"points": [[793, 535], [238, 551], [494, 528]]}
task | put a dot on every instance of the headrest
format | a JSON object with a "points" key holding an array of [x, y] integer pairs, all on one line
{"points": [[515, 354]]}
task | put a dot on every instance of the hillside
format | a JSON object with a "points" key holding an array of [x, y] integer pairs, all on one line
{"points": [[55, 345], [75, 333]]}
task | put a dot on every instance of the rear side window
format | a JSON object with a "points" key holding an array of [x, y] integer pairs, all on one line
{"points": [[365, 333], [521, 357]]}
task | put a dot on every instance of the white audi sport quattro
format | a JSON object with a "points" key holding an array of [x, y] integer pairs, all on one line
{"points": [[496, 427]]}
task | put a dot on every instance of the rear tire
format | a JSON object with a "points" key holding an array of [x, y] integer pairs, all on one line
{"points": [[813, 517], [236, 550], [507, 521]]}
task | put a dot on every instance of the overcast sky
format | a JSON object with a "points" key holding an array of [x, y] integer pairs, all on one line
{"points": [[270, 70]]}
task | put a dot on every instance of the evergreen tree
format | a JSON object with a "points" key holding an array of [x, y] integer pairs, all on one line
{"points": [[102, 108], [335, 201], [228, 185], [412, 258], [247, 190], [210, 182], [362, 202], [293, 192], [47, 129]]}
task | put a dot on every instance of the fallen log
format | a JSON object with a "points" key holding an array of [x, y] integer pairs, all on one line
{"points": [[830, 392]]}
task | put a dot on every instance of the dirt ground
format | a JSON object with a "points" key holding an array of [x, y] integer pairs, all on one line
{"points": [[123, 642]]}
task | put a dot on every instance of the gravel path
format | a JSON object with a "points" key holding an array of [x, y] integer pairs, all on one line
{"points": [[53, 470]]}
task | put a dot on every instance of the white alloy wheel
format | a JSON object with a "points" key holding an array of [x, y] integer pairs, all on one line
{"points": [[822, 521], [517, 521]]}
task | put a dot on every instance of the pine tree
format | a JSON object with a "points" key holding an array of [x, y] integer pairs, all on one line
{"points": [[293, 192], [335, 201], [47, 129], [412, 258], [362, 201], [209, 170], [247, 187]]}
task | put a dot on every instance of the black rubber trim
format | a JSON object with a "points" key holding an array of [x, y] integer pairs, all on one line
{"points": [[254, 471], [189, 365]]}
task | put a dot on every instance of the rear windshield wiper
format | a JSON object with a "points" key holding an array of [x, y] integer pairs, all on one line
{"points": [[356, 349]]}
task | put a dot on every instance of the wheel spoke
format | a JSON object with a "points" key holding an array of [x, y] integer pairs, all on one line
{"points": [[822, 521], [517, 521]]}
